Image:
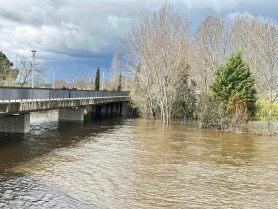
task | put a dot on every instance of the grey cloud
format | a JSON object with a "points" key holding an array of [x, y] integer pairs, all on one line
{"points": [[66, 25]]}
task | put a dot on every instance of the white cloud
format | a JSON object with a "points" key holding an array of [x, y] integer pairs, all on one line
{"points": [[235, 14], [116, 21], [247, 14], [218, 5]]}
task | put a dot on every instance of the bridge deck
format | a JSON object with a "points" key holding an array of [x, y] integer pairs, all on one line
{"points": [[19, 100]]}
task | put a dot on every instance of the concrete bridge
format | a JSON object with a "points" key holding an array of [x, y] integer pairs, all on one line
{"points": [[17, 103]]}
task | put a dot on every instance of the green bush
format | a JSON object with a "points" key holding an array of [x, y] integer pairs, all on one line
{"points": [[262, 109]]}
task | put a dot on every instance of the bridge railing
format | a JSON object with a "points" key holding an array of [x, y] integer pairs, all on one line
{"points": [[25, 94]]}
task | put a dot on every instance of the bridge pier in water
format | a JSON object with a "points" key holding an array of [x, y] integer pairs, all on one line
{"points": [[105, 109], [19, 123], [111, 109], [71, 114]]}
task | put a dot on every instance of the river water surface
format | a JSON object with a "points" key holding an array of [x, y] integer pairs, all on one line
{"points": [[135, 163]]}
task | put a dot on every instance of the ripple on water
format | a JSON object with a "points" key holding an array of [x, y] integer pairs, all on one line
{"points": [[23, 191]]}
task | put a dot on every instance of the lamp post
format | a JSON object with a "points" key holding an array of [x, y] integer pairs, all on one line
{"points": [[33, 68], [103, 85], [53, 77]]}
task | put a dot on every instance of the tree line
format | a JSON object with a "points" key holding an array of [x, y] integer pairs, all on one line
{"points": [[174, 70]]}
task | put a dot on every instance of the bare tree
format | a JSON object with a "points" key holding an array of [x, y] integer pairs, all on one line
{"points": [[209, 50], [59, 83], [258, 40], [156, 50], [114, 72], [245, 34], [269, 53], [80, 81], [25, 65]]}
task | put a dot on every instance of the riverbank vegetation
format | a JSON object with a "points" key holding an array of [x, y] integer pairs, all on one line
{"points": [[177, 74]]}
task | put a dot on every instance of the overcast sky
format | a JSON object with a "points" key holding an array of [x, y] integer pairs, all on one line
{"points": [[83, 34]]}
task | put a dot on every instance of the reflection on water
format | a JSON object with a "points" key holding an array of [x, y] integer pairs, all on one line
{"points": [[135, 163]]}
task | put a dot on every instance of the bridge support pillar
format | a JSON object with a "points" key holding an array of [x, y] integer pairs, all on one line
{"points": [[126, 109], [15, 123], [73, 114], [116, 108], [104, 109]]}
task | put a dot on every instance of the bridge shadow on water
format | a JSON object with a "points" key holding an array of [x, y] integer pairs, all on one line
{"points": [[20, 190], [47, 135]]}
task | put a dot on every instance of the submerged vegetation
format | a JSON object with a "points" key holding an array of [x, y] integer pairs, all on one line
{"points": [[234, 92]]}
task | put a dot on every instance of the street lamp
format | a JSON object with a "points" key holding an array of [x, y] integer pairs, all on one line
{"points": [[33, 68], [53, 77], [103, 84]]}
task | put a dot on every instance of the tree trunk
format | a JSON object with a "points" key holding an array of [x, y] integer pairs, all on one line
{"points": [[270, 115], [168, 108], [23, 83], [150, 101], [151, 107], [162, 108]]}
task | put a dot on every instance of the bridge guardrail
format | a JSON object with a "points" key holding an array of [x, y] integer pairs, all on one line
{"points": [[25, 94]]}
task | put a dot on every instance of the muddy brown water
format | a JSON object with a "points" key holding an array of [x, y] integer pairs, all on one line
{"points": [[135, 163]]}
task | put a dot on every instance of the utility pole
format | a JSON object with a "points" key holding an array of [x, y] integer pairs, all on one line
{"points": [[33, 68]]}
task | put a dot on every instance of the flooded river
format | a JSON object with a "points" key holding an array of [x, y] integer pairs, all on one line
{"points": [[135, 163]]}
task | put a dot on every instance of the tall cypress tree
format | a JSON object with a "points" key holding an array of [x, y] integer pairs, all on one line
{"points": [[234, 84], [97, 80]]}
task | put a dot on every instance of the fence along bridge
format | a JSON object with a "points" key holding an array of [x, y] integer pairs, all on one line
{"points": [[17, 103]]}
